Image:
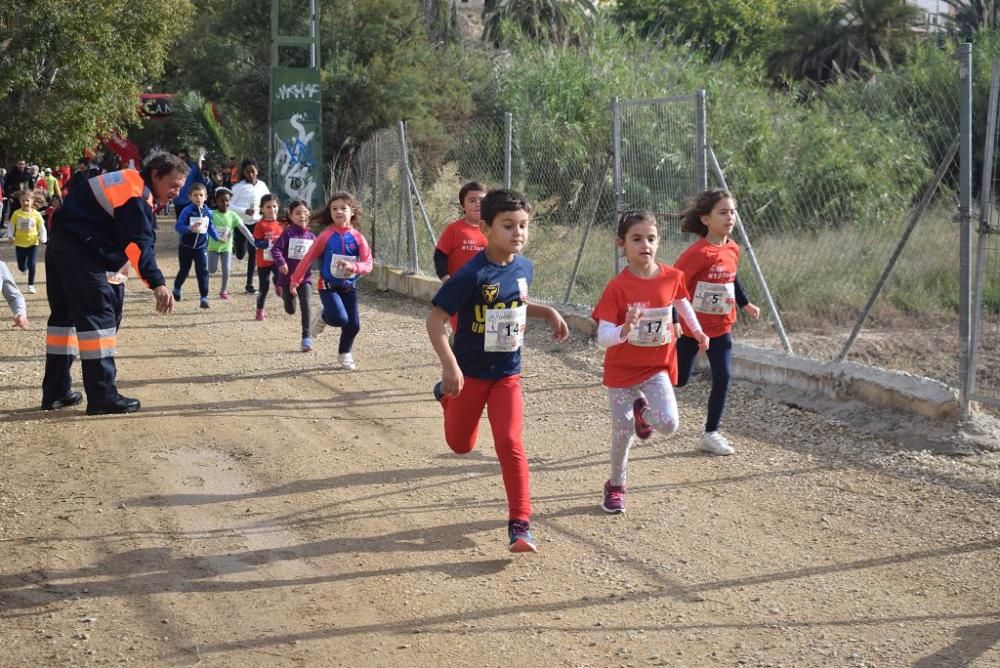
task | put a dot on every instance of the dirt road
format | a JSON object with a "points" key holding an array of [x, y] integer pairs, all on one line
{"points": [[268, 509]]}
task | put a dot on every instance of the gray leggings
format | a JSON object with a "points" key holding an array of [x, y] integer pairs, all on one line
{"points": [[223, 259], [662, 414]]}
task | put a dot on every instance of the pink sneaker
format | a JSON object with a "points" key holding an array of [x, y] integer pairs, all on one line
{"points": [[260, 314], [224, 295]]}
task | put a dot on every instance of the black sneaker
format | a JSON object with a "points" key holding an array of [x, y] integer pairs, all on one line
{"points": [[71, 399], [437, 391], [251, 290], [113, 407]]}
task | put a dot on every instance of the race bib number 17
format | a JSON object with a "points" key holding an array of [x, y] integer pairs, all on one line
{"points": [[505, 329], [653, 328]]}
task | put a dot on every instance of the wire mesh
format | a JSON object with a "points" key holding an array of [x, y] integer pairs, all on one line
{"points": [[827, 215], [988, 342]]}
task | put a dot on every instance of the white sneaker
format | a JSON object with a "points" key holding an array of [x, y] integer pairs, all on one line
{"points": [[317, 326], [716, 443], [31, 289], [347, 361]]}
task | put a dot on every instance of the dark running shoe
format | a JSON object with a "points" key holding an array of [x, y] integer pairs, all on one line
{"points": [[614, 498], [519, 532], [114, 407], [437, 391], [642, 428]]}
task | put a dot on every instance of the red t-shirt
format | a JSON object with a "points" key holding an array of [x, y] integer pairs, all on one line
{"points": [[710, 275], [270, 230], [644, 353], [461, 242]]}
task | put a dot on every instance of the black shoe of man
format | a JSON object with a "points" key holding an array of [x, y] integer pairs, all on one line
{"points": [[71, 399], [113, 407]]}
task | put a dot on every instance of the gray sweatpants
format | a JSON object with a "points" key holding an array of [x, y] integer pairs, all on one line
{"points": [[215, 260], [662, 414]]}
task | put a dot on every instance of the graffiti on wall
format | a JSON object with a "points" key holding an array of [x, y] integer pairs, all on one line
{"points": [[296, 134]]}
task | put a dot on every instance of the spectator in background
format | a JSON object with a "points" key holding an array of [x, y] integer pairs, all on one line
{"points": [[37, 179], [51, 182], [84, 171], [17, 179]]}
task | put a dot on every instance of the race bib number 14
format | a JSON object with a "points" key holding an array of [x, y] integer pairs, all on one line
{"points": [[505, 329]]}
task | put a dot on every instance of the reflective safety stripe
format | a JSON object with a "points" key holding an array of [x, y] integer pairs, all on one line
{"points": [[97, 344], [115, 188], [61, 341]]}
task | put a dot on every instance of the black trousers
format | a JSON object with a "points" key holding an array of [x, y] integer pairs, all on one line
{"points": [[82, 321]]}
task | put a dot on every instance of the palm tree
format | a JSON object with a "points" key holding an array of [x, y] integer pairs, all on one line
{"points": [[971, 16], [558, 21], [881, 31]]}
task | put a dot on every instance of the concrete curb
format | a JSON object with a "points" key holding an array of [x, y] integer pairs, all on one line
{"points": [[843, 381]]}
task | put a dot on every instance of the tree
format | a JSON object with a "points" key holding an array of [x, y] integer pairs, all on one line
{"points": [[718, 28], [968, 17], [821, 40], [70, 71], [557, 21]]}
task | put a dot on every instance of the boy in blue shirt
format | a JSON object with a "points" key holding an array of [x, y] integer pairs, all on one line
{"points": [[194, 224], [490, 297]]}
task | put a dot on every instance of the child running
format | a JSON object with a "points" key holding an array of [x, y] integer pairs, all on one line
{"points": [[490, 296], [345, 256], [288, 251], [194, 224], [15, 300], [27, 231], [220, 253], [462, 239], [265, 232], [709, 267], [635, 326]]}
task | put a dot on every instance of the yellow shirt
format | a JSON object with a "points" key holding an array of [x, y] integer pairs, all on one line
{"points": [[28, 228]]}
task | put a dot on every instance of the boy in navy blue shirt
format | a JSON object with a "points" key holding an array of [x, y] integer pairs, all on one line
{"points": [[490, 297]]}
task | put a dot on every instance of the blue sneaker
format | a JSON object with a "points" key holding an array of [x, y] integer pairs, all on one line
{"points": [[307, 345], [519, 532], [177, 294], [437, 391], [204, 302]]}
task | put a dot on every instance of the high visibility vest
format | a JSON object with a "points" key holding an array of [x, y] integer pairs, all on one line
{"points": [[113, 189]]}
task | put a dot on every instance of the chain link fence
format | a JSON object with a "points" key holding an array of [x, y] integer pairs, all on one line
{"points": [[827, 193]]}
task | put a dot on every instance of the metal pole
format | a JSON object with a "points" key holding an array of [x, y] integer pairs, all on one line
{"points": [[779, 326], [918, 212], [616, 142], [508, 149], [602, 176], [700, 142], [374, 210], [420, 205], [411, 228], [965, 222], [985, 211]]}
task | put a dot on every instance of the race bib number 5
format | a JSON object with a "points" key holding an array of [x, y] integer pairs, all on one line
{"points": [[653, 328], [505, 329], [714, 298]]}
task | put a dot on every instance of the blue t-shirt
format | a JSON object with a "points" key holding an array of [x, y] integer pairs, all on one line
{"points": [[479, 286]]}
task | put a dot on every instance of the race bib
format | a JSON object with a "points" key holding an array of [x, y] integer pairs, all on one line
{"points": [[341, 273], [653, 328], [297, 248], [714, 298], [267, 252], [25, 224], [198, 225], [505, 329], [223, 234]]}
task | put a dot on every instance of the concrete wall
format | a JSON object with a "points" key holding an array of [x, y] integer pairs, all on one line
{"points": [[833, 380]]}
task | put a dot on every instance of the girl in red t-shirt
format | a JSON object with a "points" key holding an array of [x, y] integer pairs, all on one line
{"points": [[635, 325], [265, 233], [709, 267]]}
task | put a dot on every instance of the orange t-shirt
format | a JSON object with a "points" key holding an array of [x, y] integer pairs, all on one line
{"points": [[628, 364], [710, 275], [270, 230], [461, 242]]}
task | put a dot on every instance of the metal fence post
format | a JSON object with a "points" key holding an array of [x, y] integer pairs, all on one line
{"points": [[508, 148], [965, 222], [754, 265], [618, 262], [411, 228], [700, 142]]}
